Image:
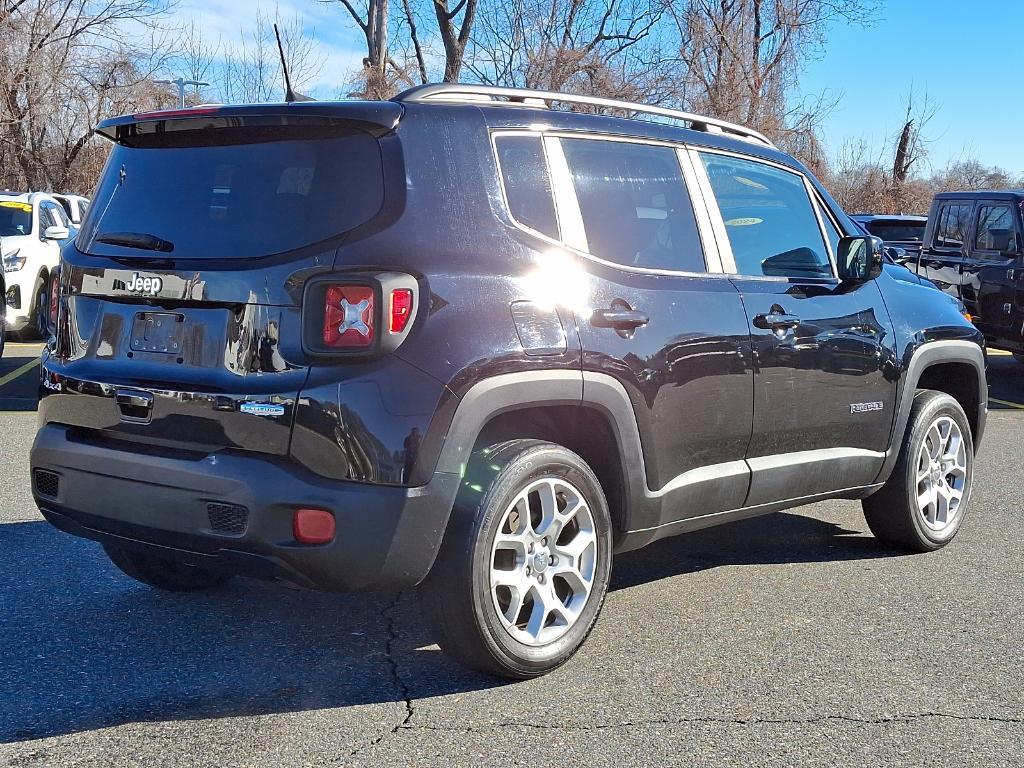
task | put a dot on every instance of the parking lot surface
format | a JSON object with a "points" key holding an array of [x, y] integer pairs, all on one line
{"points": [[793, 639]]}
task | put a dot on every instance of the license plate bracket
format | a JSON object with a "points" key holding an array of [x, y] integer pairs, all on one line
{"points": [[158, 332]]}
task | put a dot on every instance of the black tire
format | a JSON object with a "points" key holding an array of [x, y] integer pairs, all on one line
{"points": [[893, 512], [41, 312], [456, 597], [163, 573]]}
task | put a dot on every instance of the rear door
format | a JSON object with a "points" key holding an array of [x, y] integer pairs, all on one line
{"points": [[655, 313], [992, 270], [942, 255], [824, 375]]}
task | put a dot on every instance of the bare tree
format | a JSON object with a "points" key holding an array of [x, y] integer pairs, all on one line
{"points": [[251, 70], [377, 76], [64, 64], [603, 47]]}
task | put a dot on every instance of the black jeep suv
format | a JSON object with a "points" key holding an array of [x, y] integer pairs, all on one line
{"points": [[467, 341]]}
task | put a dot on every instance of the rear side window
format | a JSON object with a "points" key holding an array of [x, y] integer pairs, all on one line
{"points": [[770, 220], [527, 183], [634, 204], [995, 231], [241, 192], [954, 223]]}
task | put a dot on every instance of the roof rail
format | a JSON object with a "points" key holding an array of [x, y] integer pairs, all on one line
{"points": [[465, 92]]}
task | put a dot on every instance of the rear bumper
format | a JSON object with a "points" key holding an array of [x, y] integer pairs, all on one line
{"points": [[387, 536]]}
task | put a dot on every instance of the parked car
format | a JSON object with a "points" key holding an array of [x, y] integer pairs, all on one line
{"points": [[974, 250], [33, 227], [524, 339], [898, 232], [75, 206]]}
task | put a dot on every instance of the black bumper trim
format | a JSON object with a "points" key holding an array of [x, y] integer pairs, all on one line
{"points": [[387, 536]]}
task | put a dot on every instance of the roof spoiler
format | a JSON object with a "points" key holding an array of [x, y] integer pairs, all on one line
{"points": [[375, 117]]}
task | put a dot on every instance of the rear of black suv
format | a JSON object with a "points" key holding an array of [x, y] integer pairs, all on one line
{"points": [[223, 388]]}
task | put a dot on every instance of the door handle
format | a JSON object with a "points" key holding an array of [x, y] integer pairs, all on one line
{"points": [[134, 405], [775, 321], [620, 319]]}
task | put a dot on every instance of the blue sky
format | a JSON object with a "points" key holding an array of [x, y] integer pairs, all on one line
{"points": [[966, 55], [934, 46]]}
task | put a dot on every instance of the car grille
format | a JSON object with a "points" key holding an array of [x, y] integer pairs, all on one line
{"points": [[47, 483], [228, 518]]}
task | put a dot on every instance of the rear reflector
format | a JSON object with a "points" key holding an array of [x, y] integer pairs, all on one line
{"points": [[348, 316], [401, 309], [313, 526]]}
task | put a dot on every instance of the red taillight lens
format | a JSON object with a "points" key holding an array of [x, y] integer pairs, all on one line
{"points": [[349, 316], [401, 309], [313, 526]]}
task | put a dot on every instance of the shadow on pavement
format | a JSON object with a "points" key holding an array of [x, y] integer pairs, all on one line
{"points": [[84, 647]]}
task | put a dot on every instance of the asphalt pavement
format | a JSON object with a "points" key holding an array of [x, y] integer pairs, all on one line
{"points": [[793, 639]]}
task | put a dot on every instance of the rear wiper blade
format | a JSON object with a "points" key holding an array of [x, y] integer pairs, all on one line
{"points": [[140, 240]]}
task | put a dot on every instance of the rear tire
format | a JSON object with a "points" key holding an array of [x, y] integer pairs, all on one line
{"points": [[524, 567], [163, 573], [924, 502]]}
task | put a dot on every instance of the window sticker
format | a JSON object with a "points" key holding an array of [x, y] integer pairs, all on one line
{"points": [[26, 207]]}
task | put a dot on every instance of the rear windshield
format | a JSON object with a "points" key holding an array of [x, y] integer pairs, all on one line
{"points": [[242, 193], [15, 218], [909, 231]]}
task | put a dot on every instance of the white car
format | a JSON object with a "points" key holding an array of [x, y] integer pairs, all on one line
{"points": [[33, 227], [74, 206]]}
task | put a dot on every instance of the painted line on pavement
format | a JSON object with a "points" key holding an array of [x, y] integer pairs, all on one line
{"points": [[18, 372], [1007, 403]]}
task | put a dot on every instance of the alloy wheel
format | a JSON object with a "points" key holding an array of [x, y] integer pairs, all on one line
{"points": [[543, 561], [941, 474]]}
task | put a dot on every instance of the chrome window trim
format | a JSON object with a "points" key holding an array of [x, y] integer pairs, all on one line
{"points": [[566, 201], [705, 221]]}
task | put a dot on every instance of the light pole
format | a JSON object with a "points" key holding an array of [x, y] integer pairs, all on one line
{"points": [[181, 83]]}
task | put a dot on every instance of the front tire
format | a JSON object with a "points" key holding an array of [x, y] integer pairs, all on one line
{"points": [[524, 566], [163, 573], [924, 502]]}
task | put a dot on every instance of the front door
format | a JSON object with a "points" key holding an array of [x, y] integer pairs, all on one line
{"points": [[942, 254], [824, 374], [993, 272]]}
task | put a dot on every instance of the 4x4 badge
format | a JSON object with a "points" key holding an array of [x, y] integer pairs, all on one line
{"points": [[150, 285]]}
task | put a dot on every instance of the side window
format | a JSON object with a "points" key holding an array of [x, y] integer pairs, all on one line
{"points": [[995, 230], [954, 223], [60, 218], [635, 207], [524, 175], [769, 218]]}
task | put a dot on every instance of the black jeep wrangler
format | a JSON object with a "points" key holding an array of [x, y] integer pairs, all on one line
{"points": [[468, 341]]}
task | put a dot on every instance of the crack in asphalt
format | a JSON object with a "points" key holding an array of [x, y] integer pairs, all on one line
{"points": [[396, 676], [883, 720]]}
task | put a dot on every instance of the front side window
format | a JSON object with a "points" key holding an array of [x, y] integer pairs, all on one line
{"points": [[995, 231], [527, 183], [769, 218], [954, 223], [635, 207]]}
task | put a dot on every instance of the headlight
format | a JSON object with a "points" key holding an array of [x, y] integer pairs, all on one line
{"points": [[13, 262]]}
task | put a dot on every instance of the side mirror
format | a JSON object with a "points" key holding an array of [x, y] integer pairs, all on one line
{"points": [[56, 233], [860, 258]]}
